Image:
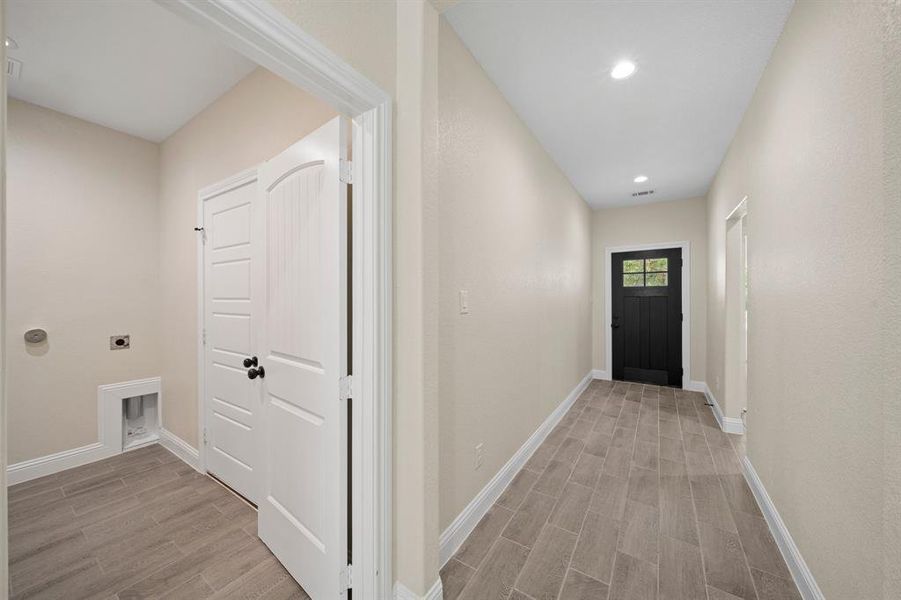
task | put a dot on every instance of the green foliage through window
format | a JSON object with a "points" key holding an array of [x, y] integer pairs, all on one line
{"points": [[656, 279], [656, 265], [651, 272], [633, 266]]}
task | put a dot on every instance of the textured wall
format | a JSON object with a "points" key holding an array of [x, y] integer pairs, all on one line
{"points": [[82, 263], [255, 120], [517, 236], [684, 220], [823, 248]]}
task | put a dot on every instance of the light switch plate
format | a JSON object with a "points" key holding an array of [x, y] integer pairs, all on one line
{"points": [[464, 302]]}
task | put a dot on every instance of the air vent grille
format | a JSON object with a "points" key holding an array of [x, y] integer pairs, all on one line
{"points": [[644, 193], [13, 68]]}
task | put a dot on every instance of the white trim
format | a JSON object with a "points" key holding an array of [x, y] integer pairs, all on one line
{"points": [[609, 251], [801, 573], [266, 35], [180, 448], [402, 592], [599, 374], [727, 424], [109, 408], [109, 433], [457, 532], [740, 210], [54, 463], [695, 386]]}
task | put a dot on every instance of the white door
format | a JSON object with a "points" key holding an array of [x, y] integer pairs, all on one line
{"points": [[302, 293], [231, 400]]}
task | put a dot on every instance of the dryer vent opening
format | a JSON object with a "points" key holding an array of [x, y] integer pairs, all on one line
{"points": [[140, 424]]}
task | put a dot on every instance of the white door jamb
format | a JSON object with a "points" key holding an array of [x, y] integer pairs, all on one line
{"points": [[267, 36]]}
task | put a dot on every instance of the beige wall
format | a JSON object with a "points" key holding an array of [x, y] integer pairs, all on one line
{"points": [[4, 421], [416, 298], [258, 118], [810, 155], [82, 263], [684, 220], [891, 183], [517, 236]]}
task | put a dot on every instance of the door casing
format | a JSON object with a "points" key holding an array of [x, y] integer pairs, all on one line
{"points": [[609, 251], [272, 40]]}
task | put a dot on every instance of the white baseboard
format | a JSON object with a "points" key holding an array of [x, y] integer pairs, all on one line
{"points": [[695, 386], [457, 532], [727, 424], [807, 585], [600, 374], [180, 448], [109, 432], [402, 592], [53, 463]]}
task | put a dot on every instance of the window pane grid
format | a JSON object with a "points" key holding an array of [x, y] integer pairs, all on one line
{"points": [[650, 272]]}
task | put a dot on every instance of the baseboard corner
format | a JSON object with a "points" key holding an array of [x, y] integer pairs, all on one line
{"points": [[600, 374], [727, 424], [402, 592], [696, 386], [180, 448], [801, 573]]}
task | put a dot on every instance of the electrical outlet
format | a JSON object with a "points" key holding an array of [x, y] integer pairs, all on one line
{"points": [[480, 455], [119, 342], [464, 302]]}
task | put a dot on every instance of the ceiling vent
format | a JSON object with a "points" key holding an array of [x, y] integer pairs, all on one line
{"points": [[13, 68], [644, 193]]}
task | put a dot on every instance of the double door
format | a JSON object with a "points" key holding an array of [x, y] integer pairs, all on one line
{"points": [[275, 351]]}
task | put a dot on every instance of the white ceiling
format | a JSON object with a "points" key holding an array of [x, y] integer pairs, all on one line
{"points": [[698, 64], [130, 65]]}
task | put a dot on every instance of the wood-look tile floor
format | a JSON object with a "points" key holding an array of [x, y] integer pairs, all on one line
{"points": [[139, 525], [636, 494]]}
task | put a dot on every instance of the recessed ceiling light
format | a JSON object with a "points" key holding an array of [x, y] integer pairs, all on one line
{"points": [[640, 179], [622, 69], [11, 43]]}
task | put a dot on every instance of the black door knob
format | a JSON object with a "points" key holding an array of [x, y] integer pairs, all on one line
{"points": [[253, 373], [250, 362]]}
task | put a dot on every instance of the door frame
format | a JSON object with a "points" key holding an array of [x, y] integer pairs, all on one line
{"points": [[272, 40], [609, 251], [737, 217]]}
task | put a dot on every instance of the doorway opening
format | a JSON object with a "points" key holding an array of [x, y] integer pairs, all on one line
{"points": [[137, 244], [647, 316], [647, 330], [737, 315]]}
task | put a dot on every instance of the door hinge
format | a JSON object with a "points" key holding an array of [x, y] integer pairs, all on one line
{"points": [[347, 577], [681, 316], [346, 171], [204, 437], [345, 387], [203, 336]]}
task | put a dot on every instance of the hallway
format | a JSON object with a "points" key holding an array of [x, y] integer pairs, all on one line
{"points": [[636, 494]]}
